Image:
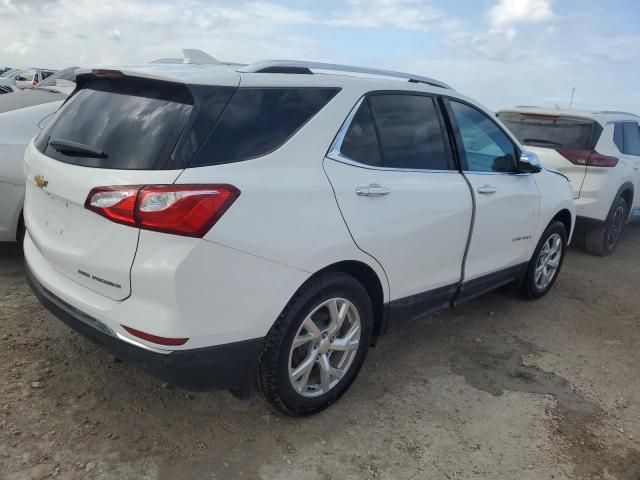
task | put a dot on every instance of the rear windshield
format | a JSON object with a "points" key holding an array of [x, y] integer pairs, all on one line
{"points": [[138, 124], [133, 124], [552, 131]]}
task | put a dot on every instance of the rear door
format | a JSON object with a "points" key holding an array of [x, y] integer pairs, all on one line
{"points": [[115, 130], [507, 204], [562, 142], [402, 198]]}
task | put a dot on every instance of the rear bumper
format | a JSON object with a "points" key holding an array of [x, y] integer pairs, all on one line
{"points": [[230, 366]]}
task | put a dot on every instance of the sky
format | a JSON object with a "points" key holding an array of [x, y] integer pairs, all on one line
{"points": [[501, 52]]}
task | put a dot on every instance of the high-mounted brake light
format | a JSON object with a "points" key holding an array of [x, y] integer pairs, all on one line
{"points": [[108, 73], [589, 158], [188, 210]]}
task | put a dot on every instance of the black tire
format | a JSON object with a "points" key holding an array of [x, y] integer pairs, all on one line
{"points": [[604, 240], [273, 370], [530, 288], [21, 232]]}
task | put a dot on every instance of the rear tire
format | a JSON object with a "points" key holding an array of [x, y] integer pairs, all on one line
{"points": [[546, 262], [306, 339], [604, 240]]}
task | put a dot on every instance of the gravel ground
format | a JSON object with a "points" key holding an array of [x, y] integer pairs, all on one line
{"points": [[499, 388]]}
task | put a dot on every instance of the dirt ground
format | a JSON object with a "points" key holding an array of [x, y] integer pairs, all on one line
{"points": [[499, 388]]}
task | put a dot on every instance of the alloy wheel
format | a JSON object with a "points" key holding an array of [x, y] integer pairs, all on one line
{"points": [[548, 261]]}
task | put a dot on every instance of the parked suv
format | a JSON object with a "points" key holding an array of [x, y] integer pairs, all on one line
{"points": [[600, 154], [217, 225]]}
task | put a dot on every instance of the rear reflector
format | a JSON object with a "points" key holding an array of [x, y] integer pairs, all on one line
{"points": [[154, 338], [188, 210], [589, 158]]}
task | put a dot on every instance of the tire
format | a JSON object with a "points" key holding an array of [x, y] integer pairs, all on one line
{"points": [[604, 240], [535, 285], [20, 232], [278, 357]]}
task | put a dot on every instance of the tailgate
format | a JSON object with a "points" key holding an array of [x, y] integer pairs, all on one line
{"points": [[80, 244]]}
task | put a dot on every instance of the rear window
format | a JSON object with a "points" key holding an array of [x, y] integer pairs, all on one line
{"points": [[552, 131], [259, 120], [134, 123]]}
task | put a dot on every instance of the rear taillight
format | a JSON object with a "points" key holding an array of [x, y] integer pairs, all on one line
{"points": [[34, 82], [589, 158], [188, 210]]}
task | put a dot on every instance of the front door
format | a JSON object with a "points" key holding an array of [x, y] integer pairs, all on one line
{"points": [[507, 203]]}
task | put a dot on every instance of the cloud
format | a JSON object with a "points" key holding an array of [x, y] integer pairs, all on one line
{"points": [[114, 34], [507, 13], [403, 14]]}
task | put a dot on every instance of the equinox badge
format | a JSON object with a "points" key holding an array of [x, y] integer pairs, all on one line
{"points": [[41, 182]]}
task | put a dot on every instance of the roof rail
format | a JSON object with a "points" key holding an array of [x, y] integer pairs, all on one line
{"points": [[616, 112], [302, 67]]}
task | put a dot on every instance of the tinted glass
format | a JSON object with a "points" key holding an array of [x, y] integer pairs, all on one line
{"points": [[631, 138], [410, 132], [487, 147], [361, 142], [259, 120], [618, 137], [551, 131], [135, 122], [45, 75]]}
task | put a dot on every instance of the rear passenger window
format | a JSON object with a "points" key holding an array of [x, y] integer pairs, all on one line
{"points": [[410, 132], [259, 120], [397, 131], [631, 138], [361, 142], [618, 137]]}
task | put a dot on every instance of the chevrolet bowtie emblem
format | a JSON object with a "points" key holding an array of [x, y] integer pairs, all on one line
{"points": [[40, 181]]}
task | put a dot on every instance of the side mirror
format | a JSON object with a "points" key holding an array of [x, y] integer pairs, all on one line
{"points": [[529, 162]]}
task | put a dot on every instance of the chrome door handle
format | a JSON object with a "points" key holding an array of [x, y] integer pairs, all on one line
{"points": [[487, 190], [373, 190]]}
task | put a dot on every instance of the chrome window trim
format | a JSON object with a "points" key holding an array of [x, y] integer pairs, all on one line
{"points": [[483, 172], [335, 154]]}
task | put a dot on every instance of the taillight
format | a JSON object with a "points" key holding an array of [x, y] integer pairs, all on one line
{"points": [[589, 158], [34, 82], [188, 210]]}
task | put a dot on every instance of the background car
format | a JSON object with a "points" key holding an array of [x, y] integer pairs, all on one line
{"points": [[32, 77], [600, 153], [22, 114], [8, 80]]}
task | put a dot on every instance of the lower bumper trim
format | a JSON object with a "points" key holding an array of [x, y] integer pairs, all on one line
{"points": [[231, 366]]}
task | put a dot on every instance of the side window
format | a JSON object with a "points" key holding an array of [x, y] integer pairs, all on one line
{"points": [[618, 137], [487, 147], [631, 138], [410, 132], [257, 121], [361, 142]]}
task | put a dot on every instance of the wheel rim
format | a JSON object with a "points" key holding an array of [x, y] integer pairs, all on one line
{"points": [[324, 347], [548, 261], [617, 223]]}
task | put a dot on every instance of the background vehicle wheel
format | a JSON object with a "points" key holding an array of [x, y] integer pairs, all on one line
{"points": [[317, 345], [546, 262], [604, 240]]}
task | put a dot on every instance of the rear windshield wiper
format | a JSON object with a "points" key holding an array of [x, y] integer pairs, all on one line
{"points": [[75, 148], [542, 141]]}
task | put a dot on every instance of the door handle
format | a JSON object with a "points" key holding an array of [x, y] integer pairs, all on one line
{"points": [[373, 190], [487, 189]]}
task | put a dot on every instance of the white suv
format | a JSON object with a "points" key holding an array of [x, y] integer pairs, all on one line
{"points": [[224, 227], [600, 154]]}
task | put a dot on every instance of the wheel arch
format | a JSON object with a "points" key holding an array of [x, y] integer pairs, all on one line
{"points": [[627, 193], [370, 280], [563, 216]]}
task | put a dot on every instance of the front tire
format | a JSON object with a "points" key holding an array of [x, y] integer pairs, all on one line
{"points": [[604, 240], [317, 346], [546, 262]]}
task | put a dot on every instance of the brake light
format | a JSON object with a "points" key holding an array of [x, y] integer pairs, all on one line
{"points": [[34, 82], [589, 158], [154, 338], [188, 210]]}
